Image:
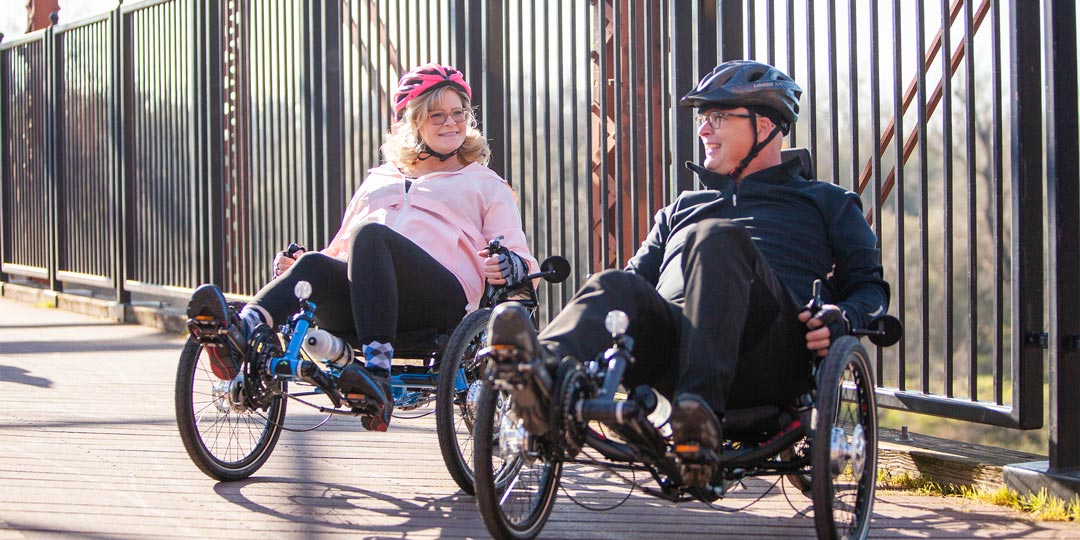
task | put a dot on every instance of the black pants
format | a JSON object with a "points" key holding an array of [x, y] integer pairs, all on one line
{"points": [[736, 341], [389, 285]]}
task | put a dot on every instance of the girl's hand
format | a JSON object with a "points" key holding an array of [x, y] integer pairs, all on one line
{"points": [[283, 260], [492, 268]]}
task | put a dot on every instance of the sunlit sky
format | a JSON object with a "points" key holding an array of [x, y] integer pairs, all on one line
{"points": [[13, 13]]}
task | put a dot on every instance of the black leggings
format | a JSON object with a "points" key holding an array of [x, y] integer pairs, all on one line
{"points": [[736, 341], [389, 285]]}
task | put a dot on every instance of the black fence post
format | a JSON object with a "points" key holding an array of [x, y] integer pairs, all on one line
{"points": [[494, 83], [5, 158], [209, 166], [332, 180], [732, 30], [1027, 211], [315, 172], [685, 75], [51, 139], [1063, 218], [120, 132]]}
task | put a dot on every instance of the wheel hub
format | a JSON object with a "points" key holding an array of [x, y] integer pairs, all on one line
{"points": [[229, 395], [471, 397], [845, 452], [512, 436]]}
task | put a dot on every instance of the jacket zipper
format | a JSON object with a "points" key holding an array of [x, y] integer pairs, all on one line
{"points": [[404, 206]]}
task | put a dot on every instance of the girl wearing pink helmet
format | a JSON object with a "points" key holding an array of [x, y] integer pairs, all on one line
{"points": [[411, 252]]}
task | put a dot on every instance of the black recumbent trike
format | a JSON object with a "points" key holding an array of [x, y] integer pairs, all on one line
{"points": [[231, 426], [824, 444]]}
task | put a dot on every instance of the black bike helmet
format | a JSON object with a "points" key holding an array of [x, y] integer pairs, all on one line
{"points": [[745, 83]]}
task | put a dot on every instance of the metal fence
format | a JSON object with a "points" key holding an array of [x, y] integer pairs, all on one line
{"points": [[168, 144]]}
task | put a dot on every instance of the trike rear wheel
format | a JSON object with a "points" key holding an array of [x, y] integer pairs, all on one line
{"points": [[455, 409], [225, 432], [515, 496], [844, 449]]}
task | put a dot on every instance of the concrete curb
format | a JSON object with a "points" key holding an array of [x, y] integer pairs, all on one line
{"points": [[169, 320]]}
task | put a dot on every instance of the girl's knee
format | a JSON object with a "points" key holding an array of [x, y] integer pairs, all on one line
{"points": [[312, 261], [369, 233]]}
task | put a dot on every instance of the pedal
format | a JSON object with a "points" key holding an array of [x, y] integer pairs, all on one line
{"points": [[697, 463], [206, 328]]}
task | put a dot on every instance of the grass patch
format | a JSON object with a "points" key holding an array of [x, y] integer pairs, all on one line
{"points": [[1039, 506]]}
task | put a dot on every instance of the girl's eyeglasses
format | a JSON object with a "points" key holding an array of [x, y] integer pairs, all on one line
{"points": [[439, 118]]}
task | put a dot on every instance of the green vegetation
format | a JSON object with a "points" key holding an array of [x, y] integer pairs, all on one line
{"points": [[1039, 506]]}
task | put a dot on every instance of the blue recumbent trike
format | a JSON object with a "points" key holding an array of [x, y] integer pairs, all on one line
{"points": [[230, 427]]}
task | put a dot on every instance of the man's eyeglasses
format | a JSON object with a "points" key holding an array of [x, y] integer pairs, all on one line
{"points": [[438, 118], [715, 118]]}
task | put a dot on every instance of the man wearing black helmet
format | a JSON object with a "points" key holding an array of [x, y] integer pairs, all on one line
{"points": [[716, 293]]}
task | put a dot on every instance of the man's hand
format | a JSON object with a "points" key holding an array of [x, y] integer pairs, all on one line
{"points": [[286, 258], [493, 267], [823, 327]]}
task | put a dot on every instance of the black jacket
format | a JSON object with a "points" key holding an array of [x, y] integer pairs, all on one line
{"points": [[806, 230]]}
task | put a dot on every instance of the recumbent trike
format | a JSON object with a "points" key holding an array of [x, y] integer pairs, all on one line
{"points": [[825, 443], [230, 427]]}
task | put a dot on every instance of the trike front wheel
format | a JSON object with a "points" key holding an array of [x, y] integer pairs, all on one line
{"points": [[226, 432], [516, 479]]}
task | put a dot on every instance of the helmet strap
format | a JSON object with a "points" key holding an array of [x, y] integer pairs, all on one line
{"points": [[756, 149], [426, 153]]}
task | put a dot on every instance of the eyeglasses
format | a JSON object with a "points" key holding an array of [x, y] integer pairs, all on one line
{"points": [[715, 118], [439, 118]]}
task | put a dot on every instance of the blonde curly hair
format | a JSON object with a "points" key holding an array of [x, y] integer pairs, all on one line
{"points": [[403, 144]]}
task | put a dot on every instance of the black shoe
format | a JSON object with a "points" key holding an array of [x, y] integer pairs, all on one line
{"points": [[214, 323], [697, 434], [511, 327], [370, 390], [522, 364]]}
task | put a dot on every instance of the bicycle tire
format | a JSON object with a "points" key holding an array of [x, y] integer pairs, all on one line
{"points": [[844, 449], [454, 414], [225, 443], [533, 483]]}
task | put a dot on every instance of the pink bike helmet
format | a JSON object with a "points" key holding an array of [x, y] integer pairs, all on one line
{"points": [[422, 79]]}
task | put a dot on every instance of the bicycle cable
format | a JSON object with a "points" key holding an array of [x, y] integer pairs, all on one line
{"points": [[749, 504], [297, 430], [631, 481]]}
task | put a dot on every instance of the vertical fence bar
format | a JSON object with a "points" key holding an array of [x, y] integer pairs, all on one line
{"points": [[924, 229], [683, 77], [1027, 208], [947, 189], [875, 129], [211, 59], [998, 202], [1063, 217], [120, 134], [6, 161], [811, 80], [51, 71], [331, 202], [898, 175], [834, 106], [494, 80], [972, 203], [853, 95]]}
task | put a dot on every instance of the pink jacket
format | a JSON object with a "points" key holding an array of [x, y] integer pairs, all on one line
{"points": [[451, 215]]}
